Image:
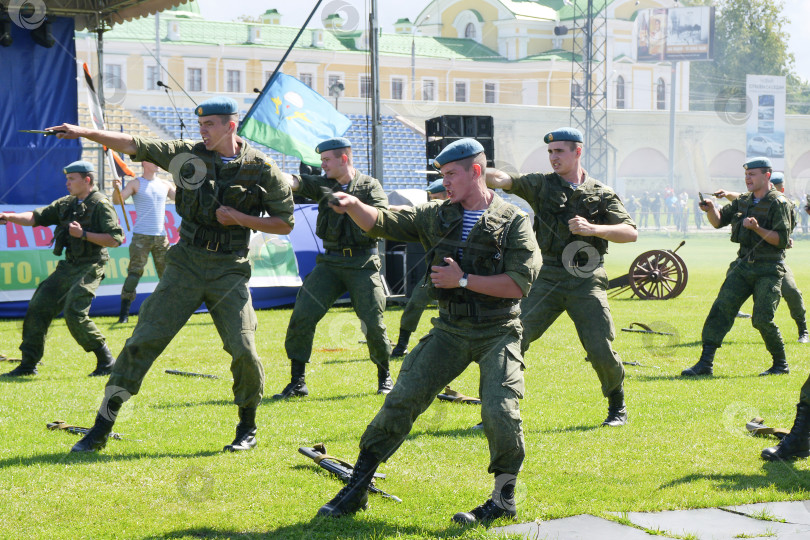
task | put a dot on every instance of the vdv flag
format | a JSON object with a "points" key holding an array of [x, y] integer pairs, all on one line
{"points": [[292, 118]]}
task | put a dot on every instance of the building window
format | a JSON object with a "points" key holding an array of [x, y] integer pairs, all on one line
{"points": [[397, 86], [469, 31], [194, 79], [305, 78], [333, 83], [620, 92], [152, 77], [365, 86], [461, 91], [267, 75], [576, 94], [112, 76], [233, 80], [428, 90], [490, 92], [661, 95]]}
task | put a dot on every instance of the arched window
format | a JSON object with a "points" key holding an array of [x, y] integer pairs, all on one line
{"points": [[469, 31], [620, 92], [661, 95]]}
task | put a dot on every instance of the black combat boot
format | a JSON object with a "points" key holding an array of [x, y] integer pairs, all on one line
{"points": [[779, 367], [96, 438], [104, 361], [245, 431], [28, 366], [124, 315], [804, 337], [501, 504], [384, 382], [401, 348], [297, 385], [617, 412], [354, 495], [796, 444], [704, 365]]}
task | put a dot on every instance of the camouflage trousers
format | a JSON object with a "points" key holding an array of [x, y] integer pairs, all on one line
{"points": [[193, 276], [763, 281], [71, 287], [585, 300], [416, 305], [139, 249], [438, 359], [793, 297], [332, 277]]}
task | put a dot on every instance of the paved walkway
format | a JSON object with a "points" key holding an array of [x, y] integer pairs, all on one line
{"points": [[773, 521]]}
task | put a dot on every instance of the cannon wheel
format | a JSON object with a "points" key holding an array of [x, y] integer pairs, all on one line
{"points": [[658, 274]]}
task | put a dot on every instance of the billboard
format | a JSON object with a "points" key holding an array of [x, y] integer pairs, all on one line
{"points": [[672, 34], [765, 128]]}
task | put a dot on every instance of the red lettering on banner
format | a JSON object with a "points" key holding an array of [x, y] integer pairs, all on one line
{"points": [[171, 229], [43, 236], [15, 236], [132, 216]]}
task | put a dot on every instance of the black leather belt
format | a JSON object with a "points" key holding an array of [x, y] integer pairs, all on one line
{"points": [[215, 247], [351, 252], [577, 262], [464, 309]]}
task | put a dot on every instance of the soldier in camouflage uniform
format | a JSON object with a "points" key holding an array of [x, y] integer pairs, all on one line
{"points": [[482, 259], [419, 296], [790, 290], [760, 222], [575, 218], [225, 188], [86, 224], [350, 263]]}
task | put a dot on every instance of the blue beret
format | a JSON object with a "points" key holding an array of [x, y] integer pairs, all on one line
{"points": [[757, 163], [437, 186], [777, 178], [456, 150], [217, 105], [79, 167], [333, 144], [564, 134]]}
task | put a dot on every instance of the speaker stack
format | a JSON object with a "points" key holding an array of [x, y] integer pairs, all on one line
{"points": [[443, 130]]}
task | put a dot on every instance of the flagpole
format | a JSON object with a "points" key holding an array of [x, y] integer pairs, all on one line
{"points": [[280, 63]]}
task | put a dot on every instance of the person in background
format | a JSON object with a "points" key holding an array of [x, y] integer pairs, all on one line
{"points": [[149, 193]]}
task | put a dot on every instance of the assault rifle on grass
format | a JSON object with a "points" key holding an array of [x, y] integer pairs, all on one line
{"points": [[338, 467]]}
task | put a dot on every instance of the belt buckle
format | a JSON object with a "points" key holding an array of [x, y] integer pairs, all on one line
{"points": [[345, 250], [208, 245]]}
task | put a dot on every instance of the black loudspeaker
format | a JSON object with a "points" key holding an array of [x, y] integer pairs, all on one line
{"points": [[442, 130], [404, 266], [43, 36]]}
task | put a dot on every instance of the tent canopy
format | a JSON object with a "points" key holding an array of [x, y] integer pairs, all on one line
{"points": [[110, 11]]}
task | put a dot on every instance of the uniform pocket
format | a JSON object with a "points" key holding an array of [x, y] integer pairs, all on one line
{"points": [[513, 369]]}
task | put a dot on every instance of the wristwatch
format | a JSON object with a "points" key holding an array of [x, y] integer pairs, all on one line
{"points": [[84, 234], [463, 281]]}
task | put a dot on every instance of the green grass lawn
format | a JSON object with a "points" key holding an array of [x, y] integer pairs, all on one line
{"points": [[685, 445]]}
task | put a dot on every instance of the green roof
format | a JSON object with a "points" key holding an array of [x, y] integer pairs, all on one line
{"points": [[555, 54], [566, 11], [200, 31]]}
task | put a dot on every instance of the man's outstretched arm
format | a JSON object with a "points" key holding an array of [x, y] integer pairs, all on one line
{"points": [[120, 142]]}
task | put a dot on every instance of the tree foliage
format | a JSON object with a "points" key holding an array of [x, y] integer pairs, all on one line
{"points": [[750, 38]]}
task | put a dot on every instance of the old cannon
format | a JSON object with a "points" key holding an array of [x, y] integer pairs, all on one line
{"points": [[658, 274]]}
